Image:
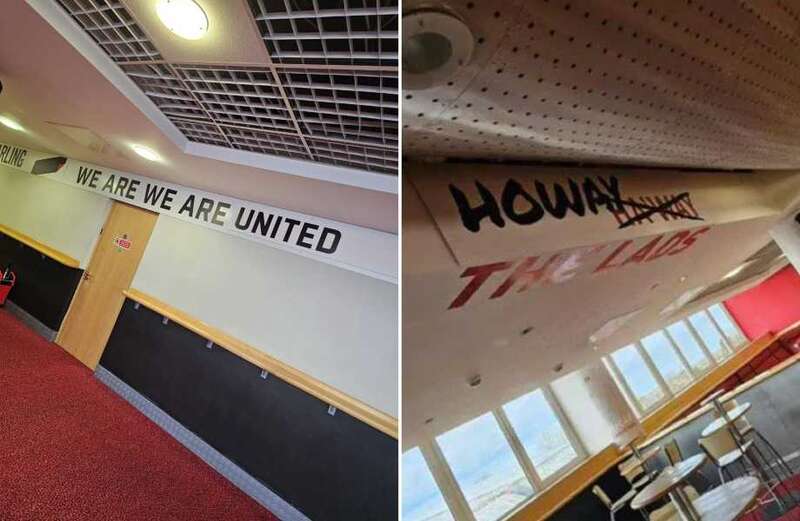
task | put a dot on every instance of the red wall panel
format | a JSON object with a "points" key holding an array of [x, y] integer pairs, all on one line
{"points": [[771, 306]]}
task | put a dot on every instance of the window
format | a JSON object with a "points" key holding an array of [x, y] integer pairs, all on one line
{"points": [[660, 350], [638, 377], [688, 345], [542, 434], [727, 325], [422, 500], [710, 335], [485, 467]]}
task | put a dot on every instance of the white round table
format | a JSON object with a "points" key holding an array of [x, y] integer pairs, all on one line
{"points": [[671, 482], [712, 397], [723, 421], [639, 459], [728, 502]]}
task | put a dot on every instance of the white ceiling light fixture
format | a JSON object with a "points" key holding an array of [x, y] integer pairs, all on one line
{"points": [[10, 123], [145, 152], [435, 45], [735, 271], [183, 17]]}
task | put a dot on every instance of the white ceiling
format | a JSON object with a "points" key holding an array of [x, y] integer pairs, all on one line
{"points": [[526, 339], [706, 83], [46, 80], [703, 84]]}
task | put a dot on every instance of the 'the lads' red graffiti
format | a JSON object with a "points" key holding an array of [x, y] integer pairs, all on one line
{"points": [[563, 266]]}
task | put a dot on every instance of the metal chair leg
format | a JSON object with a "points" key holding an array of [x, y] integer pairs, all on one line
{"points": [[771, 474], [778, 457], [763, 478]]}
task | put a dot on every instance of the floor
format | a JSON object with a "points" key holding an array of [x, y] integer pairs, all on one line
{"points": [[70, 449], [771, 513]]}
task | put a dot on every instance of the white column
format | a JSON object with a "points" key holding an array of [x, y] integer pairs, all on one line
{"points": [[596, 408], [787, 236]]}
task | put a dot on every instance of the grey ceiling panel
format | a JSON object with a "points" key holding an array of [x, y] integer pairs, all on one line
{"points": [[110, 24], [331, 95], [330, 32]]}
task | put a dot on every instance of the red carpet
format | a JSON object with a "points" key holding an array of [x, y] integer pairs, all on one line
{"points": [[70, 449], [771, 513]]}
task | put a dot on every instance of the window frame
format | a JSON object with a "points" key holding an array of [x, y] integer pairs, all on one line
{"points": [[727, 350], [681, 360], [566, 427], [451, 490], [699, 341], [733, 322], [443, 479], [625, 387]]}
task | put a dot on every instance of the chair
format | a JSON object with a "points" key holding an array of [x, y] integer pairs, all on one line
{"points": [[673, 452], [723, 451], [669, 512], [633, 471], [675, 456], [615, 506], [750, 433], [742, 424]]}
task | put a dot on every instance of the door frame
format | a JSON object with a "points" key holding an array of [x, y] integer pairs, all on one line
{"points": [[85, 275]]}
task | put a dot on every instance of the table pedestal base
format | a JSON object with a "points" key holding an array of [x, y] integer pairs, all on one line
{"points": [[684, 505]]}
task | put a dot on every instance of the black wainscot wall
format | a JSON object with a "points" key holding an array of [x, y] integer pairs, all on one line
{"points": [[44, 287], [331, 468]]}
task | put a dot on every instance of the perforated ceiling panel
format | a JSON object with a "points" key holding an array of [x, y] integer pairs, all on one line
{"points": [[697, 83], [330, 94]]}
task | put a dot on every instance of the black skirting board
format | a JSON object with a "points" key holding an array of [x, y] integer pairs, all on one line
{"points": [[44, 287], [331, 468]]}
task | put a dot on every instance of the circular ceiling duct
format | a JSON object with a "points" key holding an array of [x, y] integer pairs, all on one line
{"points": [[435, 45]]}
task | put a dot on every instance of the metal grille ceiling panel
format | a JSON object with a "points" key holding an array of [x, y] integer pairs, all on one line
{"points": [[331, 95], [111, 25], [331, 32], [696, 83], [360, 106]]}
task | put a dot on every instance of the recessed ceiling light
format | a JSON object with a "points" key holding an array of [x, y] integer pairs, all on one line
{"points": [[10, 123], [435, 46], [147, 153], [183, 17]]}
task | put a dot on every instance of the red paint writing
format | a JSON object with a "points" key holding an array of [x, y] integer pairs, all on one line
{"points": [[560, 267]]}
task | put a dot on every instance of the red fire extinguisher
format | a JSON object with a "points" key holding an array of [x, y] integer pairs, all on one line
{"points": [[7, 281]]}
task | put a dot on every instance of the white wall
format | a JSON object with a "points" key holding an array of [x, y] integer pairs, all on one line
{"points": [[57, 215], [596, 408], [335, 325]]}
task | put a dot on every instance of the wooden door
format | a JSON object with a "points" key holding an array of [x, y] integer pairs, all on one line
{"points": [[99, 297]]}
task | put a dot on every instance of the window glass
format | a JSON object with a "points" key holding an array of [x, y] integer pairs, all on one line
{"points": [[637, 375], [688, 345], [538, 428], [664, 357], [485, 467], [727, 325], [422, 500], [709, 335]]}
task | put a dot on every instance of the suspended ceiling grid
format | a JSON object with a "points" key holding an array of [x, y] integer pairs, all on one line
{"points": [[694, 83], [329, 95]]}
